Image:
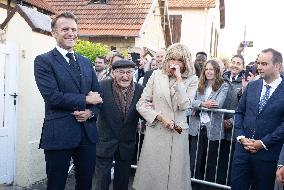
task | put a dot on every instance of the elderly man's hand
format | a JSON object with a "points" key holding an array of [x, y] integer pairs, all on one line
{"points": [[280, 175]]}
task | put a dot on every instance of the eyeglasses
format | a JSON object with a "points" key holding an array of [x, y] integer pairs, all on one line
{"points": [[121, 72]]}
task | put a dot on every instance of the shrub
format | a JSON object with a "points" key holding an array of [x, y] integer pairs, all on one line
{"points": [[90, 49]]}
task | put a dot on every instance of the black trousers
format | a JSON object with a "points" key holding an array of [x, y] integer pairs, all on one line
{"points": [[58, 162], [103, 173]]}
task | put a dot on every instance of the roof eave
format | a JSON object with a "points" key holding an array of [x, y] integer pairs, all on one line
{"points": [[117, 36]]}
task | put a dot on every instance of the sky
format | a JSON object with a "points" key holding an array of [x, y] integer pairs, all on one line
{"points": [[263, 20]]}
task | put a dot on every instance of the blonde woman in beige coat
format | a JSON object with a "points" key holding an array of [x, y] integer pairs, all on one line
{"points": [[164, 162]]}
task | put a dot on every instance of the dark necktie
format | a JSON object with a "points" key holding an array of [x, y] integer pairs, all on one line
{"points": [[264, 98], [74, 65], [72, 61]]}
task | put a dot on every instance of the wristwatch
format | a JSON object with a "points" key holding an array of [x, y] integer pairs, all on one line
{"points": [[93, 115]]}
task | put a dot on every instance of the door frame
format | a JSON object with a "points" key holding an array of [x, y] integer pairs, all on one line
{"points": [[10, 118]]}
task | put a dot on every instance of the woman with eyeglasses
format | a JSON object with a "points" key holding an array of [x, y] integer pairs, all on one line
{"points": [[164, 162]]}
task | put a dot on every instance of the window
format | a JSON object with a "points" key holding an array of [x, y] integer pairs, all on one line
{"points": [[175, 21]]}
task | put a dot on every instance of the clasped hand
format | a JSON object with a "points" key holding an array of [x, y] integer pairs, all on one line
{"points": [[251, 145], [82, 116], [210, 104], [93, 98], [168, 123]]}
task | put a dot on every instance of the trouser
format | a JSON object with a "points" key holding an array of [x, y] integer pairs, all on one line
{"points": [[58, 162], [103, 173]]}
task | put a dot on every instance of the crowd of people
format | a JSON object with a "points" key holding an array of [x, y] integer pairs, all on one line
{"points": [[92, 114]]}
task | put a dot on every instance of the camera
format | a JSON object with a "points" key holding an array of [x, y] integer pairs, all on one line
{"points": [[250, 69], [135, 57]]}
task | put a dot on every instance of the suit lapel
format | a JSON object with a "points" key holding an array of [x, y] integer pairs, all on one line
{"points": [[258, 90], [164, 85], [133, 101], [278, 92], [83, 72], [64, 63], [115, 110]]}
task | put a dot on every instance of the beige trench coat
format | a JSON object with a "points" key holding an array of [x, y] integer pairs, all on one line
{"points": [[164, 162]]}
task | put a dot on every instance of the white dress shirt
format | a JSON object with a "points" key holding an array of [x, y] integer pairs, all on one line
{"points": [[63, 52]]}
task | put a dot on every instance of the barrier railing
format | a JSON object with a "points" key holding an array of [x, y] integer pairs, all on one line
{"points": [[223, 152]]}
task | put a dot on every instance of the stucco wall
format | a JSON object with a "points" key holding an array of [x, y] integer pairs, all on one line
{"points": [[3, 14], [196, 27], [119, 42], [30, 165], [152, 32]]}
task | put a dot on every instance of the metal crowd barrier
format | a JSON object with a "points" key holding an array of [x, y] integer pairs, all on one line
{"points": [[194, 178]]}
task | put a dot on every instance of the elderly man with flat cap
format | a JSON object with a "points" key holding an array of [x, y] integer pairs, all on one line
{"points": [[117, 123]]}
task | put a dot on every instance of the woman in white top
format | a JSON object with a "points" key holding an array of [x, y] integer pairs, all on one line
{"points": [[211, 93]]}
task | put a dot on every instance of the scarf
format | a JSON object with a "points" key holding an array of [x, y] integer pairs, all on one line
{"points": [[123, 97]]}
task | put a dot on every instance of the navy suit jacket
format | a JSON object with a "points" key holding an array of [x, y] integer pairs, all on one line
{"points": [[64, 94], [268, 124]]}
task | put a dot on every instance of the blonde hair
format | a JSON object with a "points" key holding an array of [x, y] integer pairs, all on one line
{"points": [[180, 52]]}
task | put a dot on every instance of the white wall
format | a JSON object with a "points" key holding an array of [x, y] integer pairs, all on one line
{"points": [[151, 32], [30, 165], [196, 27], [3, 14]]}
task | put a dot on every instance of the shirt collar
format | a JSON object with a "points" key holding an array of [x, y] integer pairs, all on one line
{"points": [[273, 84], [63, 51]]}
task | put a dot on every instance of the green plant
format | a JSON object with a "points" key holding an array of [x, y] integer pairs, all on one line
{"points": [[90, 49]]}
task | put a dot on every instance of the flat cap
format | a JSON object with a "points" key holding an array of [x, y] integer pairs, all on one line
{"points": [[123, 63]]}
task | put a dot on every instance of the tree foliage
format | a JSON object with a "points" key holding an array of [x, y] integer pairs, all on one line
{"points": [[90, 49]]}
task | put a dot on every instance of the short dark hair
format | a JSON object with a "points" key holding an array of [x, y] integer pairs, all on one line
{"points": [[102, 57], [201, 53], [63, 15], [239, 56], [277, 56]]}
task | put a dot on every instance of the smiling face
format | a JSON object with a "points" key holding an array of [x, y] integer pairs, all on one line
{"points": [[65, 33], [123, 76], [237, 65], [209, 72]]}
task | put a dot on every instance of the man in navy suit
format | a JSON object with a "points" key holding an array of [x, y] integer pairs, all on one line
{"points": [[259, 127], [70, 89]]}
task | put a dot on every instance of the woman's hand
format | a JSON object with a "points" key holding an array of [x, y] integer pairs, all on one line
{"points": [[210, 104], [176, 71], [166, 122]]}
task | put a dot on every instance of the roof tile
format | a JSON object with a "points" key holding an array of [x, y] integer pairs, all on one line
{"points": [[191, 3], [41, 4], [116, 18]]}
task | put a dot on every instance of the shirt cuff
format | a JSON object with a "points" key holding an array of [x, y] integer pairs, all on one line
{"points": [[263, 145], [279, 166], [240, 137]]}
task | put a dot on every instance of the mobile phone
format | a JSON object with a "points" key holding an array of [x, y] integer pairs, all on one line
{"points": [[250, 69], [247, 43], [135, 57]]}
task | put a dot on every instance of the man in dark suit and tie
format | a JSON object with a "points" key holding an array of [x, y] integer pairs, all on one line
{"points": [[259, 127], [70, 89], [117, 124]]}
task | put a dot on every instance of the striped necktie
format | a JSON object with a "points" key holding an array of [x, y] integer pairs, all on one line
{"points": [[264, 98]]}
